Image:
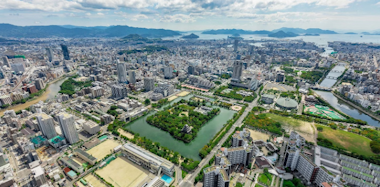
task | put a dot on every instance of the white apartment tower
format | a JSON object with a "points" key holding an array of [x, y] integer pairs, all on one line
{"points": [[46, 125], [121, 72], [67, 123]]}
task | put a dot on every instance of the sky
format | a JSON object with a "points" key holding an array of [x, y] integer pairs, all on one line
{"points": [[193, 15]]}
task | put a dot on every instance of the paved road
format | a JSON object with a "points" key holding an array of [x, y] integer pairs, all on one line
{"points": [[189, 179]]}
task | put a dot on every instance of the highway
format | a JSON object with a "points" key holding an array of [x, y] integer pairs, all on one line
{"points": [[189, 179]]}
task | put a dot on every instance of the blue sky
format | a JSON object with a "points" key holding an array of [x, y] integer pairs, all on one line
{"points": [[185, 15]]}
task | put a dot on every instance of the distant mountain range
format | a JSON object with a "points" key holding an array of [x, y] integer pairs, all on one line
{"points": [[8, 30], [282, 34], [284, 29], [191, 36], [234, 31]]}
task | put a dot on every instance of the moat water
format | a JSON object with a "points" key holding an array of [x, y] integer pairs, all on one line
{"points": [[189, 150]]}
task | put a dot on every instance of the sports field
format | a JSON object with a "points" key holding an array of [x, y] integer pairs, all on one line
{"points": [[103, 149], [91, 179], [350, 141], [323, 111], [305, 129], [121, 173], [172, 98], [184, 93], [256, 135]]}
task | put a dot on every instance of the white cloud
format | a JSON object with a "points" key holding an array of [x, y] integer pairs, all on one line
{"points": [[88, 14], [139, 17], [177, 18], [100, 14]]}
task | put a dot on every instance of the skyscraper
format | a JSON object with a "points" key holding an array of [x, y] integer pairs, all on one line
{"points": [[168, 72], [121, 72], [190, 70], [67, 123], [6, 61], [46, 125], [132, 76], [250, 49], [49, 53], [238, 69], [236, 43], [148, 84], [65, 52]]}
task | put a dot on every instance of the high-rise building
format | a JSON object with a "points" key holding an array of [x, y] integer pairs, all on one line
{"points": [[168, 72], [236, 43], [250, 49], [6, 61], [39, 84], [215, 176], [119, 91], [190, 70], [121, 72], [49, 53], [65, 51], [46, 125], [148, 83], [67, 124], [238, 70], [5, 99], [132, 76], [97, 91]]}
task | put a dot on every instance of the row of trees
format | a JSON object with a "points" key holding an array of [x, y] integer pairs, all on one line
{"points": [[216, 139]]}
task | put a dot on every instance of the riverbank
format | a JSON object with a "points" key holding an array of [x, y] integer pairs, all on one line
{"points": [[46, 95], [356, 106]]}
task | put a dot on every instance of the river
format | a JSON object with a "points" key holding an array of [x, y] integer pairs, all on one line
{"points": [[347, 109], [50, 93], [189, 150], [333, 75]]}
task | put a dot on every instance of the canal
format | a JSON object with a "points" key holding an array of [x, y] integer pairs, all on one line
{"points": [[189, 150], [50, 93], [347, 109]]}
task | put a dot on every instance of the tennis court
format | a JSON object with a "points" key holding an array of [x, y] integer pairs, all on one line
{"points": [[325, 111]]}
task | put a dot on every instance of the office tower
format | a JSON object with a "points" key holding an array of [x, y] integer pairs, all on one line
{"points": [[39, 84], [65, 51], [215, 176], [168, 72], [132, 76], [236, 42], [280, 77], [238, 69], [6, 61], [121, 72], [119, 91], [67, 124], [148, 84], [46, 125], [49, 53], [190, 70], [250, 49]]}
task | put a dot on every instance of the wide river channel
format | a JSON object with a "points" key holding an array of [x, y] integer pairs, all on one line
{"points": [[50, 93], [189, 150]]}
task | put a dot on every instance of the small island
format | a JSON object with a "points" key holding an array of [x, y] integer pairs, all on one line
{"points": [[350, 33], [282, 34], [184, 119], [311, 34], [191, 36]]}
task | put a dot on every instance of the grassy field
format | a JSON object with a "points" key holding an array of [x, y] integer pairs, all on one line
{"points": [[264, 179], [304, 128], [350, 141]]}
